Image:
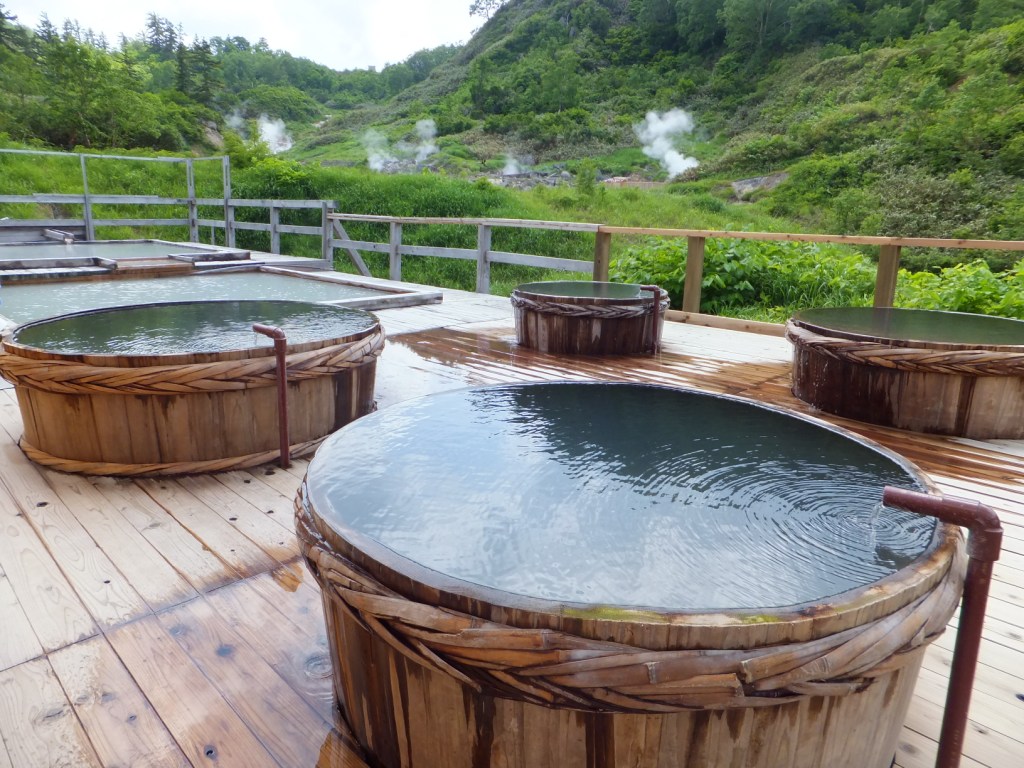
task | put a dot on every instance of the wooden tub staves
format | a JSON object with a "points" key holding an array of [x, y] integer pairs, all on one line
{"points": [[125, 392], [448, 655], [589, 318], [948, 373]]}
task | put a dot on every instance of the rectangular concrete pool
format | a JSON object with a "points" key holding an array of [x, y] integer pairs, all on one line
{"points": [[45, 279]]}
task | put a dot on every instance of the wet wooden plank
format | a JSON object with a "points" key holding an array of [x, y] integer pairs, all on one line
{"points": [[303, 605], [18, 642], [121, 724], [204, 725], [266, 499], [57, 615], [284, 483], [300, 658], [918, 751], [275, 713], [159, 584], [264, 530], [102, 588], [216, 533], [37, 723], [189, 555]]}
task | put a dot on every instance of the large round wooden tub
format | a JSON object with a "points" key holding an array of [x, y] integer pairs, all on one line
{"points": [[186, 387], [589, 318], [612, 575], [949, 373]]}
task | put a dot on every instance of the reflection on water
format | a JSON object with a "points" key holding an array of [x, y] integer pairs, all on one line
{"points": [[620, 494], [186, 328], [925, 325], [24, 303], [585, 289]]}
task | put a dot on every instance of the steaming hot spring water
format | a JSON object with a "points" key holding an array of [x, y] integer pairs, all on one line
{"points": [[186, 387], [617, 565]]}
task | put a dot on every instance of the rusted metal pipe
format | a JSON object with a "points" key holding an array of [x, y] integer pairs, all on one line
{"points": [[281, 352], [984, 540], [656, 290]]}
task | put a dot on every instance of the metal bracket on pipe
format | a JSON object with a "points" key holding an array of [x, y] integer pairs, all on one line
{"points": [[984, 540], [281, 352]]}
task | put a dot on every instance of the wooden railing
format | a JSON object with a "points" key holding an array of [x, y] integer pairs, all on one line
{"points": [[229, 224], [88, 222], [890, 249], [483, 255]]}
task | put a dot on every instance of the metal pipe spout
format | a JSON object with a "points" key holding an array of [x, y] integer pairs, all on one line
{"points": [[984, 541], [281, 353]]}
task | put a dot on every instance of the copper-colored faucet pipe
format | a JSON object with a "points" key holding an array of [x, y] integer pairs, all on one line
{"points": [[655, 312], [984, 540], [281, 352]]}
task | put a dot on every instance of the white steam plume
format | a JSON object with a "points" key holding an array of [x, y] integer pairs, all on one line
{"points": [[378, 154], [274, 134], [235, 121], [657, 132], [512, 167], [427, 132]]}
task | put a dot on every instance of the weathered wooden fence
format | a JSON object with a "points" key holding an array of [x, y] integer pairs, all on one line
{"points": [[890, 249], [483, 255], [333, 235], [228, 223]]}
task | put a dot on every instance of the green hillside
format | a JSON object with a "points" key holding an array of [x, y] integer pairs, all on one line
{"points": [[897, 117]]}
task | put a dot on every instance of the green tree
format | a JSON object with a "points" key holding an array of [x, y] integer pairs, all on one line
{"points": [[755, 25], [995, 13], [485, 8], [698, 23]]}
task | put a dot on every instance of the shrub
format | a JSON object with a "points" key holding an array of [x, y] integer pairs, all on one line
{"points": [[744, 273], [970, 287]]}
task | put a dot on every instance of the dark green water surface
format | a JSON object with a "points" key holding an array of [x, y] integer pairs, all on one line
{"points": [[585, 289], [619, 494], [924, 325], [190, 327]]}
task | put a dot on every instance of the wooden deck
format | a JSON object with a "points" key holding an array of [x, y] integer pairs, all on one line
{"points": [[170, 622]]}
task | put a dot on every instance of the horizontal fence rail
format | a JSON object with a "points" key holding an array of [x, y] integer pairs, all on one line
{"points": [[483, 254], [885, 284], [333, 236]]}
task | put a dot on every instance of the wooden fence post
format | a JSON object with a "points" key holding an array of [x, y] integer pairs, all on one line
{"points": [[90, 230], [275, 232], [394, 254], [193, 209], [229, 209], [694, 274], [602, 256], [326, 246], [885, 281], [483, 264]]}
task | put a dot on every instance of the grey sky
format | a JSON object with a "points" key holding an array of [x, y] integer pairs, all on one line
{"points": [[343, 34]]}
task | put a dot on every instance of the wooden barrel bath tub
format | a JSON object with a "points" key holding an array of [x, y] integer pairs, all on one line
{"points": [[589, 318], [948, 373], [186, 387], [611, 575]]}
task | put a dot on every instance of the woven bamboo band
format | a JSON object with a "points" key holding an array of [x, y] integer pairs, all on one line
{"points": [[113, 469], [63, 377], [597, 311], [555, 668], [978, 362]]}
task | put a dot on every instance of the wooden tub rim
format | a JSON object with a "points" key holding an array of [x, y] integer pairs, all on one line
{"points": [[952, 346], [745, 627], [178, 358], [642, 297]]}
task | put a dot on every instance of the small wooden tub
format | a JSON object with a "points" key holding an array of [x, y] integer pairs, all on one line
{"points": [[589, 318], [949, 373], [618, 575], [186, 387]]}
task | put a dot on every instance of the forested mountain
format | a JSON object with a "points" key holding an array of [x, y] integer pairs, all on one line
{"points": [[889, 116]]}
